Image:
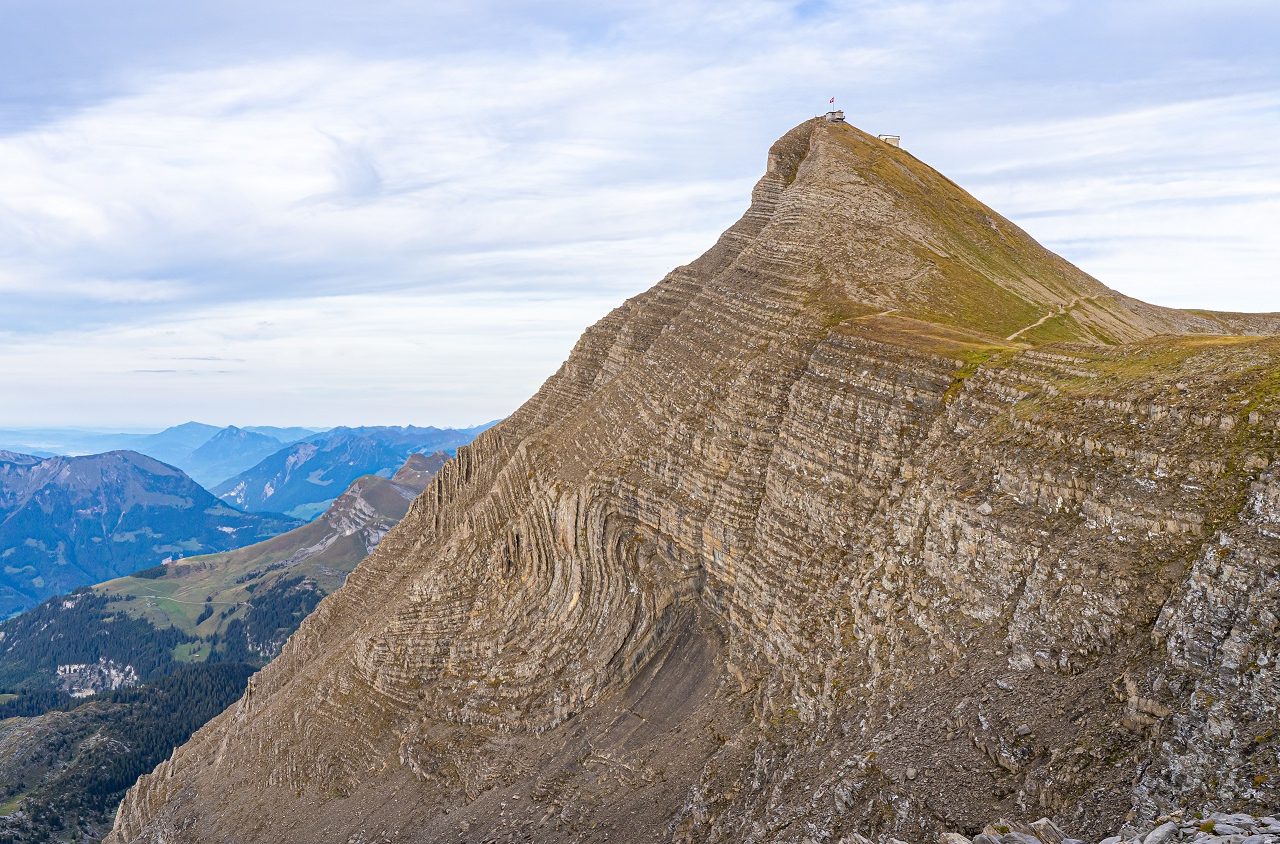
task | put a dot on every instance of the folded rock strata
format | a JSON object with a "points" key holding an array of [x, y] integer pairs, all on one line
{"points": [[876, 519]]}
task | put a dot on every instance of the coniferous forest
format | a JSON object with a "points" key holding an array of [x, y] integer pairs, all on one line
{"points": [[84, 753]]}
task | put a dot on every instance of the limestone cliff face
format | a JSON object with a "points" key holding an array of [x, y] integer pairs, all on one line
{"points": [[877, 517]]}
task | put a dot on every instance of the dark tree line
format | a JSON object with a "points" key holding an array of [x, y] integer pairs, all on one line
{"points": [[272, 617], [80, 628]]}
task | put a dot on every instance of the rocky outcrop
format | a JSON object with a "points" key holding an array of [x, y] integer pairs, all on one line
{"points": [[83, 679], [800, 545]]}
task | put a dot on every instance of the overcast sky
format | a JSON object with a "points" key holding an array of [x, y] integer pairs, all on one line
{"points": [[406, 212]]}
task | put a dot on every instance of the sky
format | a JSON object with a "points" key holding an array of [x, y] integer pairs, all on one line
{"points": [[394, 212]]}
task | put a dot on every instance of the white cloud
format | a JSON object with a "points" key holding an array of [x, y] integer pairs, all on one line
{"points": [[387, 212], [387, 358]]}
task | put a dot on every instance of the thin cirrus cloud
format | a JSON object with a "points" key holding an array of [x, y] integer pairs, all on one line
{"points": [[390, 354], [1171, 203], [412, 210]]}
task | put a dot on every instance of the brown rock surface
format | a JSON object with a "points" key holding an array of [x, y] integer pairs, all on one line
{"points": [[799, 544]]}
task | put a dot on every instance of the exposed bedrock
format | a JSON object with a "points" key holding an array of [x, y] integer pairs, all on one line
{"points": [[798, 545]]}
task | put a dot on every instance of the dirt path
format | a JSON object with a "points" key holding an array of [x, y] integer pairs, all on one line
{"points": [[1062, 309], [193, 603]]}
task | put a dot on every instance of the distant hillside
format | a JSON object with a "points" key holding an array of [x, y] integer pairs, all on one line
{"points": [[68, 521], [183, 611], [304, 478], [173, 444], [154, 656], [207, 453], [221, 598], [65, 768], [227, 453]]}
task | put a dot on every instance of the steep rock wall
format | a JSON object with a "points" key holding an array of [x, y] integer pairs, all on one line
{"points": [[797, 544]]}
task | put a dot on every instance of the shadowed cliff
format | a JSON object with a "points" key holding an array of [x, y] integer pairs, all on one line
{"points": [[877, 517]]}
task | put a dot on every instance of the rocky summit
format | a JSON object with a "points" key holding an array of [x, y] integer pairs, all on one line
{"points": [[878, 519]]}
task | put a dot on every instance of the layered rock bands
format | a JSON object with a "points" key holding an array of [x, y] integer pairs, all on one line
{"points": [[876, 519]]}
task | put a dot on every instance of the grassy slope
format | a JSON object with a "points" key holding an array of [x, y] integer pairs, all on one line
{"points": [[226, 581], [976, 270]]}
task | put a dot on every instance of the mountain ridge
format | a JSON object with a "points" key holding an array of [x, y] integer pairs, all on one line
{"points": [[172, 445], [69, 521], [876, 518], [303, 478]]}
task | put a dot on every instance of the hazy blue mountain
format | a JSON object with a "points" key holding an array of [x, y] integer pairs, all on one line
{"points": [[206, 452], [211, 455], [227, 453], [304, 478], [173, 444], [69, 521], [30, 452], [166, 445]]}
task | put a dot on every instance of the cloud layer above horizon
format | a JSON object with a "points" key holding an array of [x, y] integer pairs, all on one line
{"points": [[397, 212]]}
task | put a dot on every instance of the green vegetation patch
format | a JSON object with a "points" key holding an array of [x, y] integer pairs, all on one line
{"points": [[1059, 328], [191, 652], [11, 805], [307, 512], [969, 298]]}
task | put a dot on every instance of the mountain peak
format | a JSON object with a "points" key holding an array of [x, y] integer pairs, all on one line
{"points": [[232, 433], [192, 427], [869, 231], [813, 538]]}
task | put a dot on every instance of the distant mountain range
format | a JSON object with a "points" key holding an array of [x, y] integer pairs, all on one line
{"points": [[222, 458], [68, 521], [301, 480], [159, 653], [168, 446], [207, 453], [241, 585]]}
